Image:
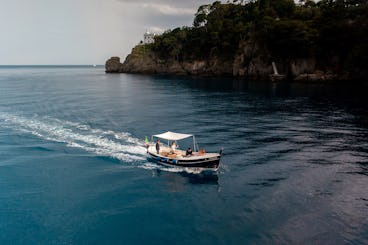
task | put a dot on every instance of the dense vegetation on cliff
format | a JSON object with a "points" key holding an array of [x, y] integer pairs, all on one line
{"points": [[335, 32]]}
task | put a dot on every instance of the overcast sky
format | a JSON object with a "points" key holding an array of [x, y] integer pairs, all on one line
{"points": [[83, 31]]}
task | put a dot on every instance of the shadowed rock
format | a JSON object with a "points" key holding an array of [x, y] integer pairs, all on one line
{"points": [[113, 65]]}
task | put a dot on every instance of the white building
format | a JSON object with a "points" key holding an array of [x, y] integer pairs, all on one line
{"points": [[148, 38]]}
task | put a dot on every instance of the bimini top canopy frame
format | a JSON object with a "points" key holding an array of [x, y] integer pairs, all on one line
{"points": [[171, 136]]}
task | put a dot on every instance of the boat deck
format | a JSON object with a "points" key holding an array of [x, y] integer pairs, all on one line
{"points": [[179, 154]]}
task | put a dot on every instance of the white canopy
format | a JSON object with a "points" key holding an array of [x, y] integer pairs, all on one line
{"points": [[172, 136]]}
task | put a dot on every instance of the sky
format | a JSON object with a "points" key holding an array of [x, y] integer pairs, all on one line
{"points": [[67, 32]]}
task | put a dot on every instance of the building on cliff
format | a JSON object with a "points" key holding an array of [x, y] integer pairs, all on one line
{"points": [[148, 38]]}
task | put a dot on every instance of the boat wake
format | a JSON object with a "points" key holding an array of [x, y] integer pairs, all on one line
{"points": [[119, 145]]}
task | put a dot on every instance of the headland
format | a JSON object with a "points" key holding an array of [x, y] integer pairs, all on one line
{"points": [[261, 40]]}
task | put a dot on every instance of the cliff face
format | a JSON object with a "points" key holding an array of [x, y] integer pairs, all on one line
{"points": [[251, 62], [144, 61]]}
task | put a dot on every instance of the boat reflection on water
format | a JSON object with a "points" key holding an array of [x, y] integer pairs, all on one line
{"points": [[202, 178], [177, 181]]}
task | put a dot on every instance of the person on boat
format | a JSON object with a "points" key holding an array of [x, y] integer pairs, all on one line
{"points": [[189, 152], [146, 143], [173, 147], [158, 146]]}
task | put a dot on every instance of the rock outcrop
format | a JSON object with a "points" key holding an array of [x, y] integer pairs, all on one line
{"points": [[145, 61], [113, 65]]}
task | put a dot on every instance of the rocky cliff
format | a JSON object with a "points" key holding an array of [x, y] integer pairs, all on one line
{"points": [[143, 60], [113, 65], [250, 62]]}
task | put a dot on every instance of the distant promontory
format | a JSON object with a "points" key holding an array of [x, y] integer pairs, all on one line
{"points": [[262, 39]]}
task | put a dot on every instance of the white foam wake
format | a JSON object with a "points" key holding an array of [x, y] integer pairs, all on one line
{"points": [[154, 166], [119, 145]]}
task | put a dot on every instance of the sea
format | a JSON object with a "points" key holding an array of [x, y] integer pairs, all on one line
{"points": [[73, 167]]}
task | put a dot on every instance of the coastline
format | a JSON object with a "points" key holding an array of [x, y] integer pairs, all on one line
{"points": [[298, 71]]}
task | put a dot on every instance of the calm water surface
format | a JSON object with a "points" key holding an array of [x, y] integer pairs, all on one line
{"points": [[73, 170]]}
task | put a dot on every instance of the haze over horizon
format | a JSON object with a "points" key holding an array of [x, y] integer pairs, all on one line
{"points": [[84, 31]]}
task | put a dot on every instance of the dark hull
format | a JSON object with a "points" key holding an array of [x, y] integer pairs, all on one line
{"points": [[208, 163]]}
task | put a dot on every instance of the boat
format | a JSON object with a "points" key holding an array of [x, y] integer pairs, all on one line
{"points": [[175, 157]]}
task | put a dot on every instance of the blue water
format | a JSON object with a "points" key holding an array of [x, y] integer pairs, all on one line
{"points": [[73, 169]]}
